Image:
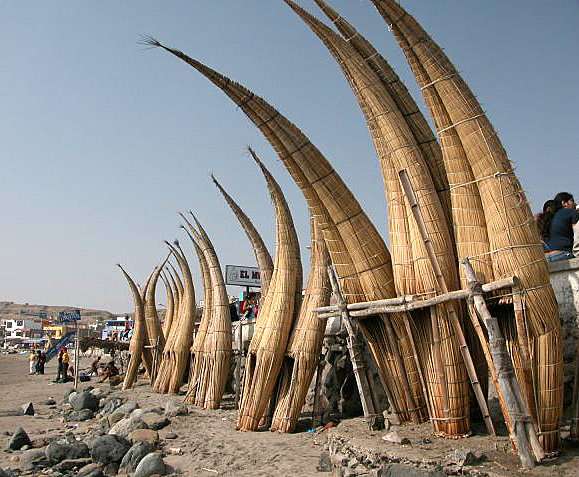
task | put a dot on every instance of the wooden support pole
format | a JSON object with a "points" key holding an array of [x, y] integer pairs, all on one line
{"points": [[465, 352], [355, 351], [408, 302], [316, 421], [239, 359], [524, 431]]}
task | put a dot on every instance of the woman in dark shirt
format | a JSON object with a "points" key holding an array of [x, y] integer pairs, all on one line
{"points": [[557, 228]]}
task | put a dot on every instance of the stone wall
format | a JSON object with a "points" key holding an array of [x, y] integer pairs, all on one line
{"points": [[565, 281]]}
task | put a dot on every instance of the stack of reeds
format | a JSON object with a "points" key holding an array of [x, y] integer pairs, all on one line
{"points": [[137, 348], [305, 343], [170, 305], [359, 253], [515, 248], [213, 370], [278, 309], [262, 256], [175, 357]]}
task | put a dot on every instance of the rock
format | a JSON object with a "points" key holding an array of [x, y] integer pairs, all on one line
{"points": [[113, 418], [325, 464], [400, 470], [99, 392], [171, 435], [33, 459], [144, 435], [90, 470], [127, 425], [79, 416], [27, 409], [19, 440], [68, 393], [154, 421], [49, 402], [395, 438], [134, 456], [84, 400], [111, 404], [173, 409], [462, 457], [40, 443], [128, 407], [58, 451], [111, 469], [68, 397], [71, 464], [25, 448], [150, 465], [109, 448]]}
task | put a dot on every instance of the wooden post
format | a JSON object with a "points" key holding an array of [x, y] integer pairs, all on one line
{"points": [[76, 357], [355, 351], [465, 352], [524, 431]]}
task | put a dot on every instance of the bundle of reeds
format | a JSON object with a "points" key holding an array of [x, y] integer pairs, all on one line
{"points": [[398, 151], [177, 284], [278, 309], [216, 354], [262, 256], [305, 343], [170, 305], [359, 253], [515, 247], [198, 382], [137, 348], [175, 356]]}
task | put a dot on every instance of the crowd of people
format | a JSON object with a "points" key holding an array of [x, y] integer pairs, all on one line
{"points": [[37, 361], [559, 228]]}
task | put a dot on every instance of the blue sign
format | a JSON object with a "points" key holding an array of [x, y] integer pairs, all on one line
{"points": [[68, 316]]}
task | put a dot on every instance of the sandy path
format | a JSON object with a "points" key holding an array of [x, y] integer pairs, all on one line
{"points": [[208, 439]]}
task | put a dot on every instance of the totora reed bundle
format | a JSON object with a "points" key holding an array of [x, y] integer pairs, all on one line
{"points": [[515, 247], [170, 308], [358, 252], [305, 343], [213, 370], [262, 256], [278, 309], [137, 348], [176, 353]]}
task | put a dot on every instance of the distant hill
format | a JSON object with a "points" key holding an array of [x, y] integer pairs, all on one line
{"points": [[16, 311]]}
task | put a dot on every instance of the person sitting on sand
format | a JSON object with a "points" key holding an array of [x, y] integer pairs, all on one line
{"points": [[94, 367], [557, 228], [109, 372]]}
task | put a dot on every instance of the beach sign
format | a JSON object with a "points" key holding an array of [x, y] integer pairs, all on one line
{"points": [[242, 276], [69, 316]]}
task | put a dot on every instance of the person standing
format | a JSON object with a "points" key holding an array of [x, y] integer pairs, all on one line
{"points": [[32, 364], [41, 362], [59, 375], [65, 363]]}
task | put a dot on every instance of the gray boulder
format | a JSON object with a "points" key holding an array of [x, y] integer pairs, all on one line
{"points": [[151, 464], [19, 439], [134, 456], [154, 421], [79, 416], [58, 451], [127, 425], [128, 407], [33, 459], [109, 448], [68, 393], [71, 464], [84, 400], [111, 404]]}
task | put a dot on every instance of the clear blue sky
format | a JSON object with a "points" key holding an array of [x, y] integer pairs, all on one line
{"points": [[103, 141]]}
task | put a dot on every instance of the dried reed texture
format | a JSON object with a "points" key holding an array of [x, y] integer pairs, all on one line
{"points": [[137, 345], [305, 343], [177, 285], [152, 322], [398, 151], [197, 382], [278, 309], [358, 252], [176, 353], [262, 256], [216, 354], [170, 305], [514, 241]]}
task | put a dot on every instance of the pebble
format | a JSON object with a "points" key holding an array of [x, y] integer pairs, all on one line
{"points": [[171, 435], [395, 438]]}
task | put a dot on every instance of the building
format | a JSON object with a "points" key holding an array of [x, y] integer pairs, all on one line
{"points": [[117, 329], [25, 330]]}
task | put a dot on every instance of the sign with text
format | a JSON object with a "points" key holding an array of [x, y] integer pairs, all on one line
{"points": [[69, 316], [242, 276]]}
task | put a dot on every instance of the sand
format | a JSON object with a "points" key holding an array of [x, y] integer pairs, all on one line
{"points": [[210, 444]]}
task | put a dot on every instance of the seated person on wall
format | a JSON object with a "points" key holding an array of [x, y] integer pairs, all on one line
{"points": [[556, 227]]}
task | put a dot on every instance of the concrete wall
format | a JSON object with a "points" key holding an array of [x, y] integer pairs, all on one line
{"points": [[565, 281]]}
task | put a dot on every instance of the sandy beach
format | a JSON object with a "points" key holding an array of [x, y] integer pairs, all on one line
{"points": [[208, 439]]}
